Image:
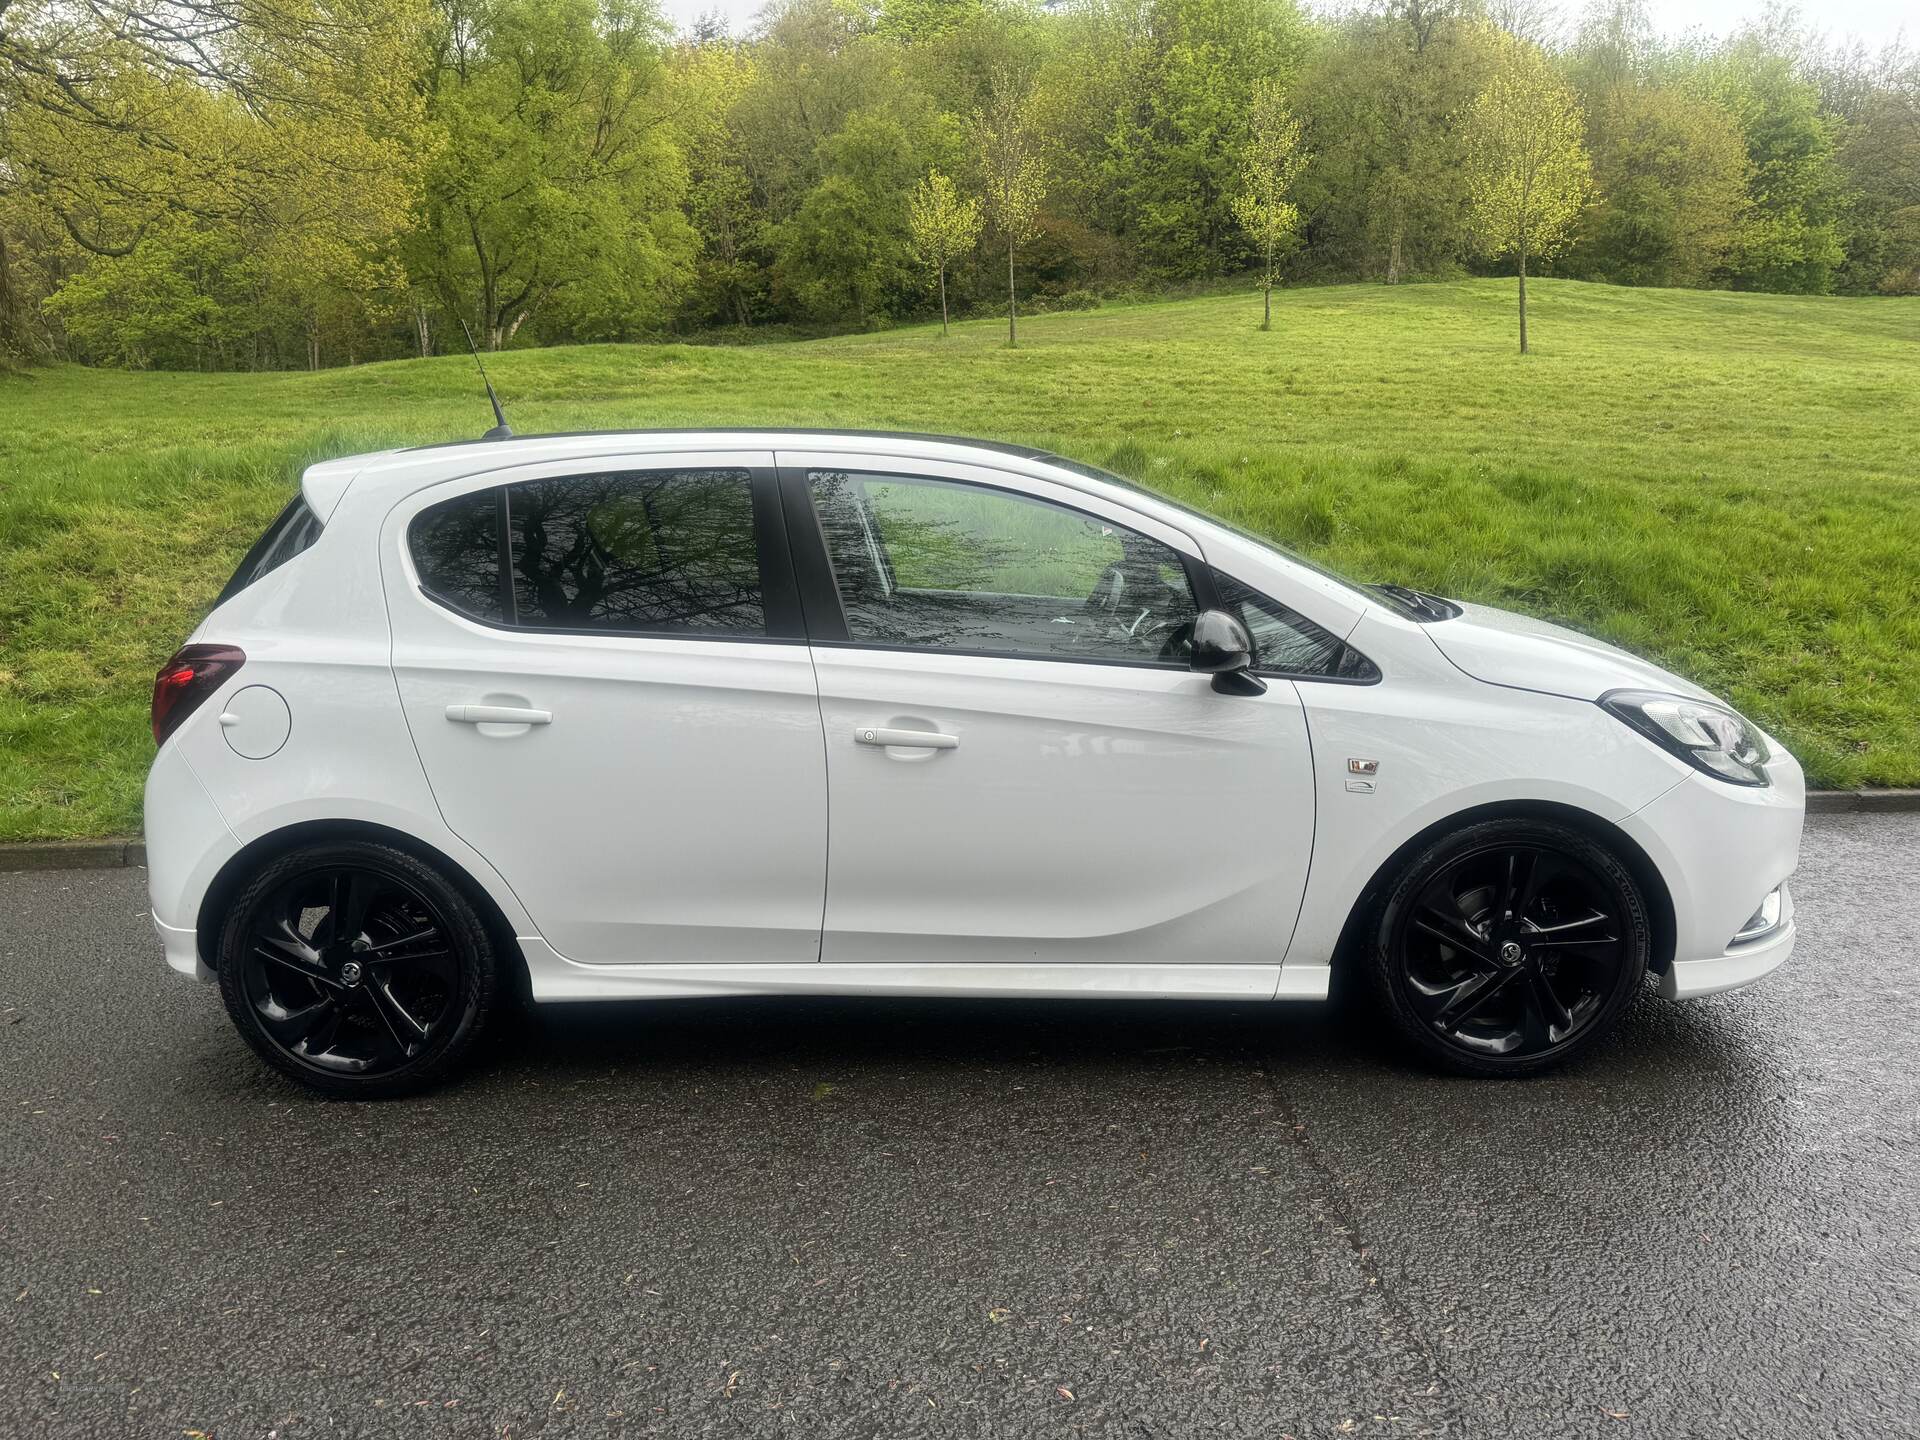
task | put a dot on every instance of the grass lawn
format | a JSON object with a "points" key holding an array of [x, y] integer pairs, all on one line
{"points": [[1727, 483]]}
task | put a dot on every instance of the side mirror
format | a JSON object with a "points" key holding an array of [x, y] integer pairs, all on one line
{"points": [[1223, 649]]}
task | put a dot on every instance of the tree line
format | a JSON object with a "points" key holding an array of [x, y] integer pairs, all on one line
{"points": [[276, 183]]}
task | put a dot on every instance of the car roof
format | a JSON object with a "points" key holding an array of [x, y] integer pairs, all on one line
{"points": [[390, 476], [396, 473], [1003, 447]]}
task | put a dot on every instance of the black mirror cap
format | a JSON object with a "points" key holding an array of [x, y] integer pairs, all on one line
{"points": [[1223, 649], [1220, 643]]}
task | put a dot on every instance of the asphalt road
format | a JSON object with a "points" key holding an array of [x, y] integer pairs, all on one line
{"points": [[984, 1219]]}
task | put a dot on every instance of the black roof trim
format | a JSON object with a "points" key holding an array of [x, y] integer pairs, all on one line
{"points": [[1023, 452]]}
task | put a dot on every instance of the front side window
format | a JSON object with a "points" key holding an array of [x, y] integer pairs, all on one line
{"points": [[935, 564], [637, 552], [1285, 640]]}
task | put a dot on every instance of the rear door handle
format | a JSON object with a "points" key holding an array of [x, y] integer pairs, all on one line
{"points": [[917, 739], [497, 715]]}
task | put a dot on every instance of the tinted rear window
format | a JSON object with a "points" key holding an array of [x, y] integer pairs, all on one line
{"points": [[456, 546], [641, 552], [295, 529]]}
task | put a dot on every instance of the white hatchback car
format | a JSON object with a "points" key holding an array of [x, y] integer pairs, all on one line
{"points": [[749, 712]]}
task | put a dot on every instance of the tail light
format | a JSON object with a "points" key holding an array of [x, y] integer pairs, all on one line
{"points": [[185, 681]]}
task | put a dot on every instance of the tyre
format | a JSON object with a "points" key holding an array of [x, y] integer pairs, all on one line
{"points": [[1509, 947], [357, 969]]}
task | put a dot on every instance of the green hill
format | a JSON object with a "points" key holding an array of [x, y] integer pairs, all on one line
{"points": [[1728, 483]]}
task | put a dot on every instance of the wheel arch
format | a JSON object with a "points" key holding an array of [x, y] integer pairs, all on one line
{"points": [[250, 858], [1645, 873]]}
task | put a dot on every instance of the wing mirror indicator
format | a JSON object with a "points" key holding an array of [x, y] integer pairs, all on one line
{"points": [[1223, 649]]}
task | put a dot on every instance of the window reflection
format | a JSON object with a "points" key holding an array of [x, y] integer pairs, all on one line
{"points": [[1284, 639], [456, 549], [646, 552], [940, 565], [655, 551]]}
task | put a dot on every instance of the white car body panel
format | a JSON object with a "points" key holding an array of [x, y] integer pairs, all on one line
{"points": [[1105, 830], [1503, 648], [1089, 812], [675, 807]]}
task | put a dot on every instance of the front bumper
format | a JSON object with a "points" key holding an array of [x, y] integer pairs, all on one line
{"points": [[1740, 965], [1721, 849], [183, 949]]}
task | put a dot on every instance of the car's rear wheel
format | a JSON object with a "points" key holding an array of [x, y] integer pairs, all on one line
{"points": [[357, 969], [1509, 946]]}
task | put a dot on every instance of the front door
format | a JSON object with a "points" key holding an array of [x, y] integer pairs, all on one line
{"points": [[1021, 767], [603, 668]]}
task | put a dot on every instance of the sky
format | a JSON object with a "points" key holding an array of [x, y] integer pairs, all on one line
{"points": [[1874, 21]]}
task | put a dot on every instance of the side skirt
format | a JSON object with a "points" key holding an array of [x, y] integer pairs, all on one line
{"points": [[556, 979]]}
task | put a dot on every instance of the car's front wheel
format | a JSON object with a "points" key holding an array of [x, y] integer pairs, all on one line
{"points": [[357, 969], [1509, 946]]}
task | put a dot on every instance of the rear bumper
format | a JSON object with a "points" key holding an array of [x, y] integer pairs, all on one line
{"points": [[187, 843]]}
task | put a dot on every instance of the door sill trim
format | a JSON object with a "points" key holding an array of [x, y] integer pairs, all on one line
{"points": [[556, 979]]}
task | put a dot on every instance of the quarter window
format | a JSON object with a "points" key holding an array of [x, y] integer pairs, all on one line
{"points": [[456, 549], [291, 533], [1285, 640], [936, 564], [637, 552]]}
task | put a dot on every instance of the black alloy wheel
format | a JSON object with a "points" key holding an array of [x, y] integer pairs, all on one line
{"points": [[356, 969], [1510, 946]]}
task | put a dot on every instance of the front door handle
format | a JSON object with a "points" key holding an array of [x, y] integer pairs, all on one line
{"points": [[497, 715], [916, 739]]}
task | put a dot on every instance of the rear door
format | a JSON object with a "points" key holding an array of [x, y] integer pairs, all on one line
{"points": [[1021, 767], [604, 669]]}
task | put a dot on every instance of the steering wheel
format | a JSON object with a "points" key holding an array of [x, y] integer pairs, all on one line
{"points": [[1136, 618]]}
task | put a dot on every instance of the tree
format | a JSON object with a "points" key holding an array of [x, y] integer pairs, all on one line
{"points": [[705, 86], [944, 227], [1670, 174], [847, 253], [1381, 107], [123, 119], [1791, 238], [1147, 102], [1273, 159], [1014, 170], [1528, 172], [557, 187]]}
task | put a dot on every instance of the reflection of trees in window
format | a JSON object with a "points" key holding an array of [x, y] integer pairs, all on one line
{"points": [[653, 551], [457, 552], [1283, 639], [941, 565], [959, 537]]}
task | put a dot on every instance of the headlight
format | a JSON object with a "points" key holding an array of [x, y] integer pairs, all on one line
{"points": [[1707, 736]]}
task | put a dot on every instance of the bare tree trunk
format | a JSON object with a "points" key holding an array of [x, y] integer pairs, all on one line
{"points": [[1012, 338], [420, 327], [943, 302], [1266, 290], [1393, 257], [1523, 299]]}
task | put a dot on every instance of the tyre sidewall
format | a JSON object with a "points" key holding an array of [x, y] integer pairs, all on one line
{"points": [[1384, 971], [479, 967]]}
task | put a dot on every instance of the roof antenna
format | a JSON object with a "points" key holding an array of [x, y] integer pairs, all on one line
{"points": [[501, 430]]}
